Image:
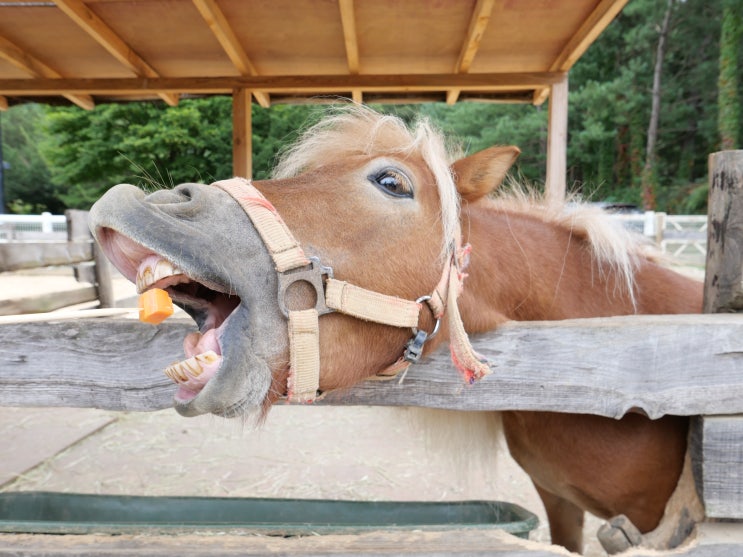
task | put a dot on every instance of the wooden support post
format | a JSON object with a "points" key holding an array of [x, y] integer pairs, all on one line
{"points": [[717, 441], [557, 141], [723, 290], [99, 273], [242, 134]]}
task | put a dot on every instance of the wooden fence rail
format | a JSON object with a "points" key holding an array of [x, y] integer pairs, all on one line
{"points": [[656, 365], [79, 250]]}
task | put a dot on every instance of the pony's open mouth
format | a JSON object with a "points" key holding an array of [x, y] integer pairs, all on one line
{"points": [[210, 306]]}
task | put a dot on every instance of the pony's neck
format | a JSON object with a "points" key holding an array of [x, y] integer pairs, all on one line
{"points": [[525, 268]]}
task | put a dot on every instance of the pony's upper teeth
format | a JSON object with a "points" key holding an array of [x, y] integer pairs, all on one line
{"points": [[153, 269]]}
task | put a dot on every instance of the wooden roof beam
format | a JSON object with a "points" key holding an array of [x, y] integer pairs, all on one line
{"points": [[112, 42], [4, 103], [348, 22], [222, 29], [589, 30], [27, 63], [478, 23], [287, 84]]}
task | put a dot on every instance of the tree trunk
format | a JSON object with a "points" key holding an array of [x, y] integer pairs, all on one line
{"points": [[648, 172], [729, 114]]}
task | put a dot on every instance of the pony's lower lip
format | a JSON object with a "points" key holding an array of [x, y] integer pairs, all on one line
{"points": [[203, 361]]}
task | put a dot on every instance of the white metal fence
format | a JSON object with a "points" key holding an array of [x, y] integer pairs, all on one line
{"points": [[684, 237], [36, 228]]}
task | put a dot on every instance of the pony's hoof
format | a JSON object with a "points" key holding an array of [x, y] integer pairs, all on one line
{"points": [[619, 534]]}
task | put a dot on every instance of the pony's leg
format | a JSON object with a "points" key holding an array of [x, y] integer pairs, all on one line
{"points": [[565, 520]]}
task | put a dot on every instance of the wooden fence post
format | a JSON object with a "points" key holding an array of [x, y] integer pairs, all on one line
{"points": [[100, 277], [717, 441], [722, 286]]}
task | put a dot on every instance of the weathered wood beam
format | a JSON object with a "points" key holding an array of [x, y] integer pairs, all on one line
{"points": [[348, 22], [478, 23], [242, 134], [49, 301], [22, 60], [723, 291], [15, 256], [557, 142], [718, 441], [590, 29], [305, 84], [657, 365], [111, 41], [715, 540], [217, 22]]}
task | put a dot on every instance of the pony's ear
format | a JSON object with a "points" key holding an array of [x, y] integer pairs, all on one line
{"points": [[479, 174]]}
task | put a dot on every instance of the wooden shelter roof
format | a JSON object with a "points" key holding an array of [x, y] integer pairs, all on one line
{"points": [[89, 51]]}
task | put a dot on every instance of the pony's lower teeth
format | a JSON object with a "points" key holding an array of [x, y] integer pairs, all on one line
{"points": [[192, 368]]}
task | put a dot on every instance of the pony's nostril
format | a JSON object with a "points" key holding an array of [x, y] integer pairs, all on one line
{"points": [[182, 193], [187, 191]]}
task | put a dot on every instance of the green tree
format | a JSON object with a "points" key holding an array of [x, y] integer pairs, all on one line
{"points": [[729, 119], [610, 103], [152, 145], [28, 186], [143, 143]]}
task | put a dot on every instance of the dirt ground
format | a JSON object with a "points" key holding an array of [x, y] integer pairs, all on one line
{"points": [[361, 453]]}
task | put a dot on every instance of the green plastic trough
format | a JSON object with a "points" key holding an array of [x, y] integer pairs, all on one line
{"points": [[64, 513]]}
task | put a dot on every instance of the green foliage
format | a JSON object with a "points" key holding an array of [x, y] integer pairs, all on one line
{"points": [[152, 145], [729, 97], [479, 126], [610, 102], [146, 144], [27, 180]]}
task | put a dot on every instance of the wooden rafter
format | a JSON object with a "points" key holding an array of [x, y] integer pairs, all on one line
{"points": [[478, 24], [31, 65], [222, 29], [111, 41], [348, 21], [601, 16], [304, 84]]}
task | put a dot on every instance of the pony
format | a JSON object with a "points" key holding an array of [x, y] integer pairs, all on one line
{"points": [[370, 237]]}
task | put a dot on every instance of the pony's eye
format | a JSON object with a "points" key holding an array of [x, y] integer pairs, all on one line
{"points": [[392, 182]]}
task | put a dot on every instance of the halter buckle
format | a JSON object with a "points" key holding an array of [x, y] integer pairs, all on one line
{"points": [[313, 274]]}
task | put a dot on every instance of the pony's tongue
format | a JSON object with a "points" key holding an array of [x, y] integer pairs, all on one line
{"points": [[197, 343]]}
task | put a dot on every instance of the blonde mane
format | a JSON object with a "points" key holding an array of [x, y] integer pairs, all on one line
{"points": [[615, 249], [354, 130]]}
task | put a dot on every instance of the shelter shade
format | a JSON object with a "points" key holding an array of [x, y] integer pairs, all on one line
{"points": [[136, 49]]}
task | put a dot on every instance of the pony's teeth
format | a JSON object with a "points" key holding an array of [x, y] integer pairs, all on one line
{"points": [[191, 368], [153, 270]]}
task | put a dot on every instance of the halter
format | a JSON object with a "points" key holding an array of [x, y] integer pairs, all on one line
{"points": [[292, 265]]}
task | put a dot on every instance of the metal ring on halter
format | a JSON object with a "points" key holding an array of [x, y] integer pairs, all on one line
{"points": [[436, 325]]}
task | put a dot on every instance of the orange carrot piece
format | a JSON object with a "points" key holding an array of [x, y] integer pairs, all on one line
{"points": [[155, 306]]}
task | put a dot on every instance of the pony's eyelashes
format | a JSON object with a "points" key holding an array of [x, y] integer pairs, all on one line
{"points": [[393, 182]]}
